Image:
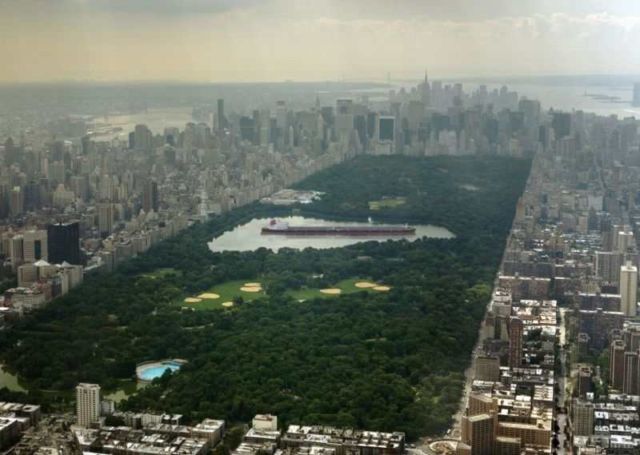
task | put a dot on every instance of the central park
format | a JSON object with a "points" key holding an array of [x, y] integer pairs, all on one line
{"points": [[376, 334]]}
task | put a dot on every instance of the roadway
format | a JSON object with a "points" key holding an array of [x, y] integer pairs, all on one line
{"points": [[561, 417]]}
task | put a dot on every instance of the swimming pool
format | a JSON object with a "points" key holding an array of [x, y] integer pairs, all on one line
{"points": [[153, 370]]}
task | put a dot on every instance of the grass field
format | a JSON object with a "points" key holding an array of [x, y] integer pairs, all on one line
{"points": [[126, 388], [228, 292], [387, 203], [232, 289], [347, 286]]}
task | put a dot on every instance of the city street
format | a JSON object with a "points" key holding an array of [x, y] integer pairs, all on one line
{"points": [[561, 417]]}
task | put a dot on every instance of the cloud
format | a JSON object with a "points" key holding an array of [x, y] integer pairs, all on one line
{"points": [[463, 10], [169, 7], [149, 8], [310, 39]]}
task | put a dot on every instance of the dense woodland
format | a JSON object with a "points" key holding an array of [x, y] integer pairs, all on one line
{"points": [[391, 361]]}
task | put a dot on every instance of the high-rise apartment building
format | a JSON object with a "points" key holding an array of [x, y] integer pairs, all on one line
{"points": [[35, 245], [143, 138], [561, 124], [16, 201], [87, 403], [624, 240], [150, 198], [105, 218], [628, 289], [386, 128], [616, 364], [222, 121], [479, 433], [488, 368], [63, 243], [516, 328], [608, 265], [16, 251], [344, 117], [630, 381], [582, 417]]}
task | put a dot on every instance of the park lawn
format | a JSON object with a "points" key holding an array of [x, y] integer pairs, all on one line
{"points": [[347, 286], [126, 388], [228, 292], [387, 203]]}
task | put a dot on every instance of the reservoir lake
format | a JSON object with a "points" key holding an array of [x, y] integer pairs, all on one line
{"points": [[248, 236]]}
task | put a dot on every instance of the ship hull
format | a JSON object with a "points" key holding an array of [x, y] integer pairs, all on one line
{"points": [[339, 231]]}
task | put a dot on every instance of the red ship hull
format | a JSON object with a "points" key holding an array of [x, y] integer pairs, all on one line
{"points": [[339, 230]]}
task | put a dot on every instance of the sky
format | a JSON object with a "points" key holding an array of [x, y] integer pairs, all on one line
{"points": [[312, 40]]}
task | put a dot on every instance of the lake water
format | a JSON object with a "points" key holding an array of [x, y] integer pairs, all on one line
{"points": [[247, 237], [156, 370]]}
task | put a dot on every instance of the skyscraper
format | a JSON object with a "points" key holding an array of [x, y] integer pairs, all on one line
{"points": [[248, 129], [488, 368], [16, 251], [624, 240], [87, 404], [150, 199], [16, 201], [344, 117], [35, 246], [386, 128], [425, 90], [630, 381], [561, 124], [222, 122], [628, 289], [63, 243], [582, 417], [105, 218], [636, 94], [608, 265], [616, 364], [515, 342], [479, 433], [143, 138], [282, 115]]}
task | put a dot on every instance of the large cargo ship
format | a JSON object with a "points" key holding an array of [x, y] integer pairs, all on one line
{"points": [[278, 227]]}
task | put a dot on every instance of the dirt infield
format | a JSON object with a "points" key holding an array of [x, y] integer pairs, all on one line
{"points": [[209, 295], [251, 289], [331, 291]]}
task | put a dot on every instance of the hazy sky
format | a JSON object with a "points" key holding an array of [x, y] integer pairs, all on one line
{"points": [[275, 40]]}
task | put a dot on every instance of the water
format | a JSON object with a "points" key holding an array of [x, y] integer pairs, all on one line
{"points": [[571, 97], [155, 370], [9, 381], [247, 237], [156, 119]]}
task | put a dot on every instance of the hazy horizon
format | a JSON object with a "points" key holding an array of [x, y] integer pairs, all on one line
{"points": [[490, 78], [220, 41]]}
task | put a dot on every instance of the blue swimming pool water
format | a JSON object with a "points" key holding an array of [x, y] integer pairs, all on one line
{"points": [[152, 371]]}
